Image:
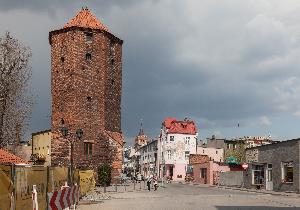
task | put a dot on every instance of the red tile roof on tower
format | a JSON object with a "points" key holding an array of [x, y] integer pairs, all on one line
{"points": [[180, 127], [7, 157], [86, 19]]}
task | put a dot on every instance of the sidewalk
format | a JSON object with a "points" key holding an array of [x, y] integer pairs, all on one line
{"points": [[291, 194], [261, 191]]}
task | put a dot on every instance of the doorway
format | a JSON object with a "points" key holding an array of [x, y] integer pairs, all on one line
{"points": [[269, 177]]}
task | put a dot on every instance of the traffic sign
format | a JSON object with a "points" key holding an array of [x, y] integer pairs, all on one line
{"points": [[245, 166]]}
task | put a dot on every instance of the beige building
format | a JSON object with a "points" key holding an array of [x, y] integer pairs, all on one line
{"points": [[214, 154], [41, 148]]}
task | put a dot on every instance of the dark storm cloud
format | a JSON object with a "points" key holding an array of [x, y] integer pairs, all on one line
{"points": [[216, 62], [53, 5]]}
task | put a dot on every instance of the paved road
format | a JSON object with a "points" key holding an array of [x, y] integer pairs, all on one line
{"points": [[189, 197]]}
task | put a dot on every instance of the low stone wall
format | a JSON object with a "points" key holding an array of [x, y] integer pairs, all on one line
{"points": [[231, 178]]}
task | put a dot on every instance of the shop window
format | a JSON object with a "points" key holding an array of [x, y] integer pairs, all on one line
{"points": [[258, 174], [287, 171], [88, 148]]}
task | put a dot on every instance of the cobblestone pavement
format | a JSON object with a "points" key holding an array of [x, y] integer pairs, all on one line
{"points": [[189, 197]]}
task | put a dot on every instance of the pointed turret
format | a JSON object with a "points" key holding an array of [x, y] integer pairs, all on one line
{"points": [[86, 19]]}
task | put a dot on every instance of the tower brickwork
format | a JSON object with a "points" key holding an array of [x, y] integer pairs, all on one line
{"points": [[86, 85]]}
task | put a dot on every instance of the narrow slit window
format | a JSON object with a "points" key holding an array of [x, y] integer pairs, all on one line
{"points": [[62, 59], [88, 56], [88, 148]]}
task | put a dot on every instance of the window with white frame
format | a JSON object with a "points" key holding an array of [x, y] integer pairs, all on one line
{"points": [[257, 174], [169, 154], [171, 138], [287, 172], [203, 173], [187, 140], [187, 154]]}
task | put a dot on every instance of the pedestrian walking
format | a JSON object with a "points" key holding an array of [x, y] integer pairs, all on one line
{"points": [[155, 182], [149, 180]]}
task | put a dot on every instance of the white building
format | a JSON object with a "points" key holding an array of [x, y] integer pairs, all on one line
{"points": [[148, 158], [178, 139]]}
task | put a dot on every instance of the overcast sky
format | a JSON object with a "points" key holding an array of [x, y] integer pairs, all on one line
{"points": [[219, 63]]}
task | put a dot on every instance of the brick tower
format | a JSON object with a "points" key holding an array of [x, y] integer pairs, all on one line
{"points": [[86, 82]]}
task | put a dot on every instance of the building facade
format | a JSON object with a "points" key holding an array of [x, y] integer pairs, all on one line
{"points": [[214, 154], [148, 158], [86, 82], [41, 148], [178, 139], [205, 170], [274, 166]]}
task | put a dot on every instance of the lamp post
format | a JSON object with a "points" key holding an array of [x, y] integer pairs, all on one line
{"points": [[65, 132]]}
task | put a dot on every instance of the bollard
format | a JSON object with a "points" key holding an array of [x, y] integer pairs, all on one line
{"points": [[35, 205], [133, 185], [140, 185], [74, 206], [116, 187], [12, 201], [124, 185]]}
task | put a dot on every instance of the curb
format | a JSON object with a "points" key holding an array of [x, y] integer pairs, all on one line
{"points": [[260, 192]]}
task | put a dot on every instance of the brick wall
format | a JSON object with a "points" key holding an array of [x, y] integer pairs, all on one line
{"points": [[86, 94]]}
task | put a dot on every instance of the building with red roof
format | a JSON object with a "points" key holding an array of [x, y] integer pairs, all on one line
{"points": [[9, 158], [178, 139]]}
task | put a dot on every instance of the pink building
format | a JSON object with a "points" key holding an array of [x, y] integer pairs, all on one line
{"points": [[178, 139], [206, 171], [214, 154]]}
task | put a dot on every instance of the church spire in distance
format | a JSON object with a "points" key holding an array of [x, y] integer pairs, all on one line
{"points": [[141, 132]]}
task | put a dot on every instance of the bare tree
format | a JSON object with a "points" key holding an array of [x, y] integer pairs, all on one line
{"points": [[15, 98]]}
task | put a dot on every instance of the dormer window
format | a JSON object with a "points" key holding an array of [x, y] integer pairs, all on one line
{"points": [[88, 56], [88, 36]]}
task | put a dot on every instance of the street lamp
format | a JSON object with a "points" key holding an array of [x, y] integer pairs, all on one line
{"points": [[65, 132]]}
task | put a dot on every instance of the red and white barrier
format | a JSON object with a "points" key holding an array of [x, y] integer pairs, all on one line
{"points": [[59, 200]]}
